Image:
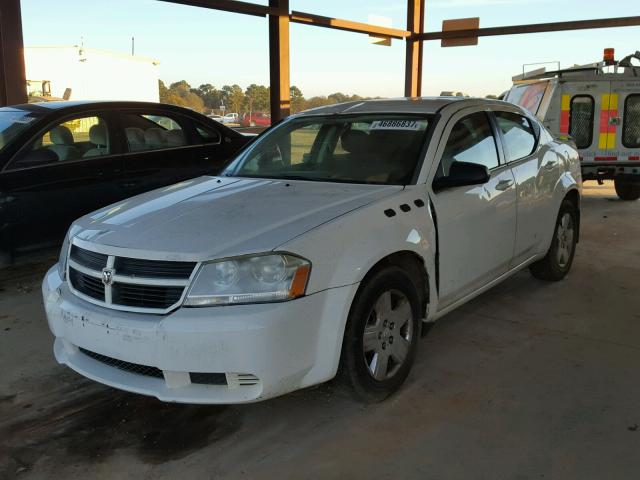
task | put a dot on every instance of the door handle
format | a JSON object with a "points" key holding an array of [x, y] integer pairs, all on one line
{"points": [[504, 184]]}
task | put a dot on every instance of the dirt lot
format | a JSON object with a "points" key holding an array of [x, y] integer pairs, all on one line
{"points": [[530, 380]]}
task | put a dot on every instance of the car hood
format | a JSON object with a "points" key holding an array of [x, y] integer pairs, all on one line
{"points": [[214, 217]]}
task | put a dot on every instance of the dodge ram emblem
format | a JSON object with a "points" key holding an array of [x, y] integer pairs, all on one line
{"points": [[107, 276]]}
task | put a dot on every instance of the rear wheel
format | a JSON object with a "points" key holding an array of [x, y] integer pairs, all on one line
{"points": [[627, 189], [557, 263], [381, 335]]}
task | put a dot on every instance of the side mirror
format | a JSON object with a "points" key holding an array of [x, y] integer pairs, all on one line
{"points": [[462, 174]]}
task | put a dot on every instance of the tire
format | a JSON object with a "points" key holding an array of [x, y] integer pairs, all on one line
{"points": [[627, 189], [557, 263], [386, 308]]}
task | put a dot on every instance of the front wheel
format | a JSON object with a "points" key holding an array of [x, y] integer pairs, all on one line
{"points": [[557, 263], [381, 335], [627, 189]]}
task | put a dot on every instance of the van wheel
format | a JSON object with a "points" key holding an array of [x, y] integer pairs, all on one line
{"points": [[557, 263], [381, 335], [627, 189]]}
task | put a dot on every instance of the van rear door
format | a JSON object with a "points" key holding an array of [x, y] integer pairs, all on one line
{"points": [[628, 123], [584, 115]]}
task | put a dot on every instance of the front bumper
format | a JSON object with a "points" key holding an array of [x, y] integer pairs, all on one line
{"points": [[262, 350]]}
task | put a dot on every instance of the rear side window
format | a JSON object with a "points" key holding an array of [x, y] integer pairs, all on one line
{"points": [[631, 128], [152, 132], [471, 141], [517, 132], [581, 120]]}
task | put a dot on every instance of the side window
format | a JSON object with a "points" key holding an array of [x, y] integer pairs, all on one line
{"points": [[631, 128], [581, 120], [208, 135], [518, 135], [470, 140], [152, 132], [82, 137]]}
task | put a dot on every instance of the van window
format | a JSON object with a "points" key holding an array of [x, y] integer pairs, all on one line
{"points": [[631, 127], [581, 120]]}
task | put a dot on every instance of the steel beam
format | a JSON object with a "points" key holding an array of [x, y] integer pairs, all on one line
{"points": [[227, 6], [13, 79], [347, 25], [280, 90], [533, 28], [413, 63]]}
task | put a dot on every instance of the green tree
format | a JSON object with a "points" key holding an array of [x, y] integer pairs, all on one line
{"points": [[297, 100], [256, 98], [233, 97], [210, 95]]}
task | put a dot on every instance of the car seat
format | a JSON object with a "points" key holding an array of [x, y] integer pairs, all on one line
{"points": [[63, 145], [135, 139], [98, 137]]}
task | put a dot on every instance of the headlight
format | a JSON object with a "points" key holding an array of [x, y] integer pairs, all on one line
{"points": [[250, 279], [62, 259]]}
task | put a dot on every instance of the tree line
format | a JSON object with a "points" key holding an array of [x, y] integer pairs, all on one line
{"points": [[255, 98]]}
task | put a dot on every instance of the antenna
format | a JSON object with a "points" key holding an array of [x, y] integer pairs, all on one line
{"points": [[133, 46]]}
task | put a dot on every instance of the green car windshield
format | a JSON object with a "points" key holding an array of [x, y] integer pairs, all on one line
{"points": [[375, 148]]}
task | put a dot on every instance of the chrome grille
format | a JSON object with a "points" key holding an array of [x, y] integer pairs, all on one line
{"points": [[125, 283]]}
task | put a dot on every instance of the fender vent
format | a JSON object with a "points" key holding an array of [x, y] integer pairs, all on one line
{"points": [[405, 208], [390, 212], [418, 203]]}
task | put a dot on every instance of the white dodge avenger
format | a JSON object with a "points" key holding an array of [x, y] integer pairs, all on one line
{"points": [[321, 250]]}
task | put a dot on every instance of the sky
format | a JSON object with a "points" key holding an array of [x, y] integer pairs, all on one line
{"points": [[206, 46]]}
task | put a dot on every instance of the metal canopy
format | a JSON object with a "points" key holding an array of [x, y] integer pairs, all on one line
{"points": [[13, 78]]}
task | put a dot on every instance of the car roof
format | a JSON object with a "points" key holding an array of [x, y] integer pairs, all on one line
{"points": [[428, 105], [62, 104]]}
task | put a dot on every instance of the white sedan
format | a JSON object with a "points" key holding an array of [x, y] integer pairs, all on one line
{"points": [[323, 248]]}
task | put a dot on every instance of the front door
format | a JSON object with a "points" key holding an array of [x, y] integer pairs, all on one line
{"points": [[476, 224], [64, 173]]}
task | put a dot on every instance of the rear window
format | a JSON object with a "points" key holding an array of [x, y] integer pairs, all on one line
{"points": [[528, 96], [12, 123], [631, 127], [581, 120]]}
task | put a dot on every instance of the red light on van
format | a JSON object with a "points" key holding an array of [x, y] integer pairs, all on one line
{"points": [[609, 56]]}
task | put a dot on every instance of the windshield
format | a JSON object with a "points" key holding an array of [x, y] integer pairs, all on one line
{"points": [[12, 122], [377, 149]]}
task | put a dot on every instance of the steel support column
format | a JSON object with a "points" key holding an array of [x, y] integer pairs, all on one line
{"points": [[413, 65], [279, 60], [13, 79]]}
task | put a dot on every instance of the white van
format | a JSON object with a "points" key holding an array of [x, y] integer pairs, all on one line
{"points": [[598, 105]]}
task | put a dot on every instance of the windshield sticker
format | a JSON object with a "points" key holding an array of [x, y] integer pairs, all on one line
{"points": [[396, 125]]}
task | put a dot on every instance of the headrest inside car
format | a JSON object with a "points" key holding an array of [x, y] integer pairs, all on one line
{"points": [[61, 135], [98, 135], [355, 141]]}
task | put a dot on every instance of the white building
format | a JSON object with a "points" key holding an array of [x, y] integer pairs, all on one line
{"points": [[90, 74]]}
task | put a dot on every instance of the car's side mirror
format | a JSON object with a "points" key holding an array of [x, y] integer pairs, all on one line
{"points": [[462, 174]]}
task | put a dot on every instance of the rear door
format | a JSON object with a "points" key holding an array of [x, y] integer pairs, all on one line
{"points": [[628, 122], [163, 148], [586, 110]]}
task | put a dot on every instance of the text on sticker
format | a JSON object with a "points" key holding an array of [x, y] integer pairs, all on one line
{"points": [[395, 125]]}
